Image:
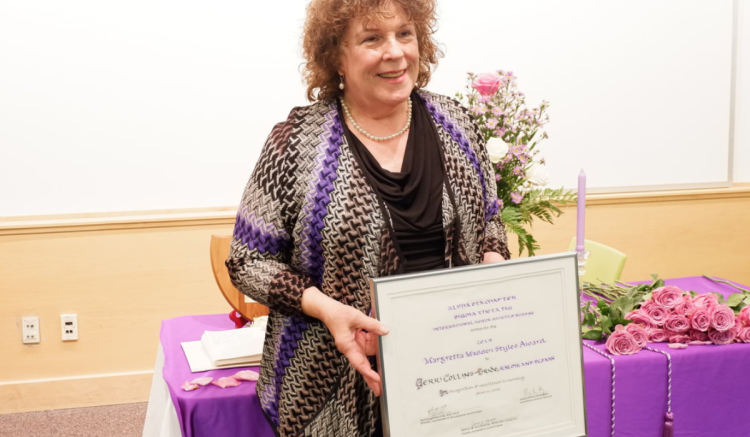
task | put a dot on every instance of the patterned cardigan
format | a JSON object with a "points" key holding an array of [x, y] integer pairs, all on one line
{"points": [[309, 218]]}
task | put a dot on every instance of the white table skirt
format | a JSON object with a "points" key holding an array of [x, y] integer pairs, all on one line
{"points": [[161, 416]]}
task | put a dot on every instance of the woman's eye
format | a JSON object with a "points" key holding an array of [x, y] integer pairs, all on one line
{"points": [[370, 38]]}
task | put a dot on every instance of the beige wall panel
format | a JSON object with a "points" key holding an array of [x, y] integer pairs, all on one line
{"points": [[121, 283], [673, 239]]}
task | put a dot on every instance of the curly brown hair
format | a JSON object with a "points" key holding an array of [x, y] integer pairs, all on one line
{"points": [[326, 24]]}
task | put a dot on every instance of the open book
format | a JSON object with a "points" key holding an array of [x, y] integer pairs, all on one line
{"points": [[225, 349]]}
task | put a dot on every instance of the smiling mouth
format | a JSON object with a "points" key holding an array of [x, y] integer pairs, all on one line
{"points": [[392, 75]]}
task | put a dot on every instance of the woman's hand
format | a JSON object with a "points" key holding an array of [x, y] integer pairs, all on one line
{"points": [[492, 257], [356, 334]]}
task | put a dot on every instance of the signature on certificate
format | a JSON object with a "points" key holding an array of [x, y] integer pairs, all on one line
{"points": [[436, 411], [534, 394]]}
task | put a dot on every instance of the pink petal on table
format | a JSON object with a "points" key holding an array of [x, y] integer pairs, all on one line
{"points": [[202, 381], [226, 382], [188, 386], [700, 342], [677, 345], [246, 375]]}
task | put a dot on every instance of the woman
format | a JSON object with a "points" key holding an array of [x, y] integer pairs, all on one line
{"points": [[375, 178]]}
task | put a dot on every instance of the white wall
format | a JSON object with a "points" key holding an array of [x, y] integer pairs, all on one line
{"points": [[165, 104], [742, 104]]}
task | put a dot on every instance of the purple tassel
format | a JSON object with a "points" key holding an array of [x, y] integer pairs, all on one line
{"points": [[668, 425]]}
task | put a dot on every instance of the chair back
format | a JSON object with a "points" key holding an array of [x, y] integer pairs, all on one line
{"points": [[244, 305], [604, 264]]}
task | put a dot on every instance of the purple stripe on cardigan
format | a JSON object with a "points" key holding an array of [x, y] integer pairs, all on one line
{"points": [[254, 232], [317, 198], [291, 334], [451, 126]]}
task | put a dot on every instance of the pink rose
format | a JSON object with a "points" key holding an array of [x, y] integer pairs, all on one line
{"points": [[667, 296], [745, 315], [487, 83], [621, 342], [684, 305], [655, 311], [658, 335], [722, 318], [708, 301], [639, 334], [721, 337], [679, 338], [698, 335], [743, 335], [677, 323], [640, 317], [700, 319]]}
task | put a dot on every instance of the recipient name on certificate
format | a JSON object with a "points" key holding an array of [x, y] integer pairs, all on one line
{"points": [[487, 350]]}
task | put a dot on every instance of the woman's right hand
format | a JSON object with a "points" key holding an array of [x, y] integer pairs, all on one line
{"points": [[356, 334]]}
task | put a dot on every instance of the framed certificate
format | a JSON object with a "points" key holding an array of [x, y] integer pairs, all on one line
{"points": [[486, 350]]}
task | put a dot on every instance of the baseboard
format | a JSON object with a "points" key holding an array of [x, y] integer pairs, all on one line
{"points": [[75, 392]]}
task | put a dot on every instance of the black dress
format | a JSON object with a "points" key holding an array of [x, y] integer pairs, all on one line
{"points": [[413, 196]]}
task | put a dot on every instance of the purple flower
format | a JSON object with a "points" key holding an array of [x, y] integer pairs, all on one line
{"points": [[497, 177], [517, 170], [500, 203], [516, 197]]}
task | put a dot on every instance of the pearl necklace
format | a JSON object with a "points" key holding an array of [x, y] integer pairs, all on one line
{"points": [[369, 135]]}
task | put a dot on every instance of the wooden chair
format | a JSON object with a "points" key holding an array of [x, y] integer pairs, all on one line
{"points": [[247, 307], [604, 264]]}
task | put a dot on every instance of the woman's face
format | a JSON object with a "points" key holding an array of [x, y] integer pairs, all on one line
{"points": [[380, 61]]}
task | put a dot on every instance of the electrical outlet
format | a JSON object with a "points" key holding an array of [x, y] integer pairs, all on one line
{"points": [[30, 329], [69, 326]]}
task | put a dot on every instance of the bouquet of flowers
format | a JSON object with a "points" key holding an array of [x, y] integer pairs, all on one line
{"points": [[512, 132], [664, 314]]}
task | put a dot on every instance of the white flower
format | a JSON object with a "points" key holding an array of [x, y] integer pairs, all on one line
{"points": [[497, 149], [537, 174]]}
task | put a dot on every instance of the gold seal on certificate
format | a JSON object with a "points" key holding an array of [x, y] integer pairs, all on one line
{"points": [[487, 350]]}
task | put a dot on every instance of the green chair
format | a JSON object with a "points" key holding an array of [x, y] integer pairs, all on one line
{"points": [[604, 264]]}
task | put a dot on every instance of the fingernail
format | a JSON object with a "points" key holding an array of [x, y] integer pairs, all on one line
{"points": [[384, 330]]}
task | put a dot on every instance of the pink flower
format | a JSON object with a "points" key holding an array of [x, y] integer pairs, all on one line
{"points": [[655, 311], [621, 342], [516, 197], [679, 338], [487, 83], [743, 335], [722, 318], [658, 335], [721, 337], [667, 296], [640, 317], [639, 334], [700, 319], [708, 301], [745, 315], [677, 323], [684, 306], [698, 335]]}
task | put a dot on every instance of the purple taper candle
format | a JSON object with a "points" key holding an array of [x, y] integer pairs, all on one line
{"points": [[580, 246]]}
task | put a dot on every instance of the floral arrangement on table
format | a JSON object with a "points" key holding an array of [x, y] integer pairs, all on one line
{"points": [[628, 317], [512, 132]]}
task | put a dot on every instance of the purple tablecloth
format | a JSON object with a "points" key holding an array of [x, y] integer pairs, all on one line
{"points": [[209, 411], [709, 386]]}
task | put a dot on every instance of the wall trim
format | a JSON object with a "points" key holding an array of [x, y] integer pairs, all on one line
{"points": [[75, 392], [226, 215]]}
